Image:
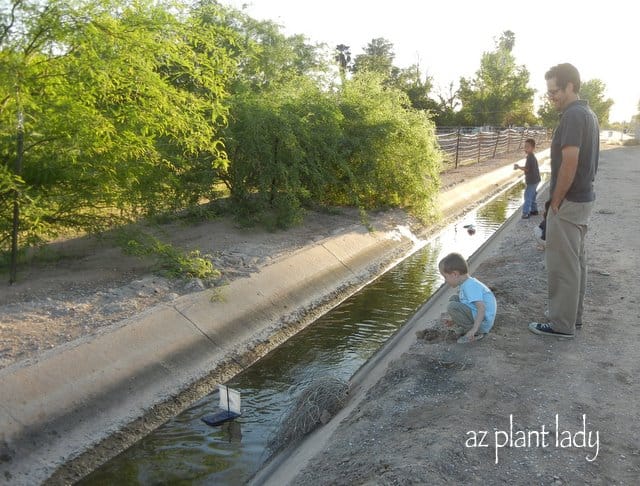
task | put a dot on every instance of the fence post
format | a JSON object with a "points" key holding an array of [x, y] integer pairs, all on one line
{"points": [[457, 146], [495, 147], [479, 145]]}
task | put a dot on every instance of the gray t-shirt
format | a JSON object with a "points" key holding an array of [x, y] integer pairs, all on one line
{"points": [[578, 127]]}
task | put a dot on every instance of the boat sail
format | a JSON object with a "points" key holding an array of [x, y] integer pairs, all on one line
{"points": [[229, 405]]}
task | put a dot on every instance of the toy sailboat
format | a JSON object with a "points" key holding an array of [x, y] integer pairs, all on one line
{"points": [[229, 407]]}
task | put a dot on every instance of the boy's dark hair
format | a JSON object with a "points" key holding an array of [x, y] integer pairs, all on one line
{"points": [[531, 142], [454, 262], [565, 73]]}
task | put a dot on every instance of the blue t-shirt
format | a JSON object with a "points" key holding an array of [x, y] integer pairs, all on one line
{"points": [[472, 290]]}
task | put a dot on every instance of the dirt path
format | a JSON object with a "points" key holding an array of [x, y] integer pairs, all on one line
{"points": [[515, 408]]}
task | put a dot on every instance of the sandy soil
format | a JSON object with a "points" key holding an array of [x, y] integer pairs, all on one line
{"points": [[515, 408]]}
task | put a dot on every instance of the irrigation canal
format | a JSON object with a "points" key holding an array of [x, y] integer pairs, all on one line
{"points": [[186, 451]]}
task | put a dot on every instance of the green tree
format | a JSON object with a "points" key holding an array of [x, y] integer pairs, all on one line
{"points": [[377, 57], [283, 145], [415, 86], [499, 94], [390, 148], [268, 58], [343, 58], [121, 101], [547, 114], [298, 144], [593, 91], [447, 114]]}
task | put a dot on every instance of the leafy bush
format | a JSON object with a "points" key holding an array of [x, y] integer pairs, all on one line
{"points": [[121, 112], [282, 145], [169, 260], [361, 146], [392, 153]]}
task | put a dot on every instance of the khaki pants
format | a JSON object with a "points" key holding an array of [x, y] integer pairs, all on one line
{"points": [[567, 264]]}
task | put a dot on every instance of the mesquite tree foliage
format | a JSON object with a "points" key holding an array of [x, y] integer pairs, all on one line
{"points": [[122, 103], [111, 110]]}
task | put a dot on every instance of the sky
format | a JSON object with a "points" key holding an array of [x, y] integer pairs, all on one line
{"points": [[447, 38]]}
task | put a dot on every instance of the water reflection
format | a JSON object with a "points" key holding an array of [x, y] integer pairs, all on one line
{"points": [[187, 451]]}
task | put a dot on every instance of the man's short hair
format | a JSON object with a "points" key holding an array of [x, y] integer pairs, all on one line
{"points": [[531, 142], [565, 73]]}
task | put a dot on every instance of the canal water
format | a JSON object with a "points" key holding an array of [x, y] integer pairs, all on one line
{"points": [[187, 451]]}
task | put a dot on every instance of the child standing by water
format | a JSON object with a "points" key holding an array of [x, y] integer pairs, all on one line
{"points": [[531, 178], [474, 307]]}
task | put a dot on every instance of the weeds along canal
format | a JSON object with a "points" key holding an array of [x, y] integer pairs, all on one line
{"points": [[187, 451]]}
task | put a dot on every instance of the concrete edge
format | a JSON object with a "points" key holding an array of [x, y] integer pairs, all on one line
{"points": [[53, 409]]}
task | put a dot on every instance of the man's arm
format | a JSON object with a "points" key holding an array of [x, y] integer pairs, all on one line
{"points": [[566, 174]]}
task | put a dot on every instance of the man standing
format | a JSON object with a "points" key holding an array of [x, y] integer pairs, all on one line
{"points": [[574, 161]]}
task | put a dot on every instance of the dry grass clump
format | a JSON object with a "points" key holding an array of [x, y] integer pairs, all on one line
{"points": [[320, 401]]}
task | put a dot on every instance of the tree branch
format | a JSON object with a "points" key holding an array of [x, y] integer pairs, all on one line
{"points": [[32, 45], [40, 142], [12, 17]]}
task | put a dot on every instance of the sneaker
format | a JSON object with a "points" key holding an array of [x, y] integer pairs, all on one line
{"points": [[463, 339], [525, 216], [545, 329], [534, 213]]}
